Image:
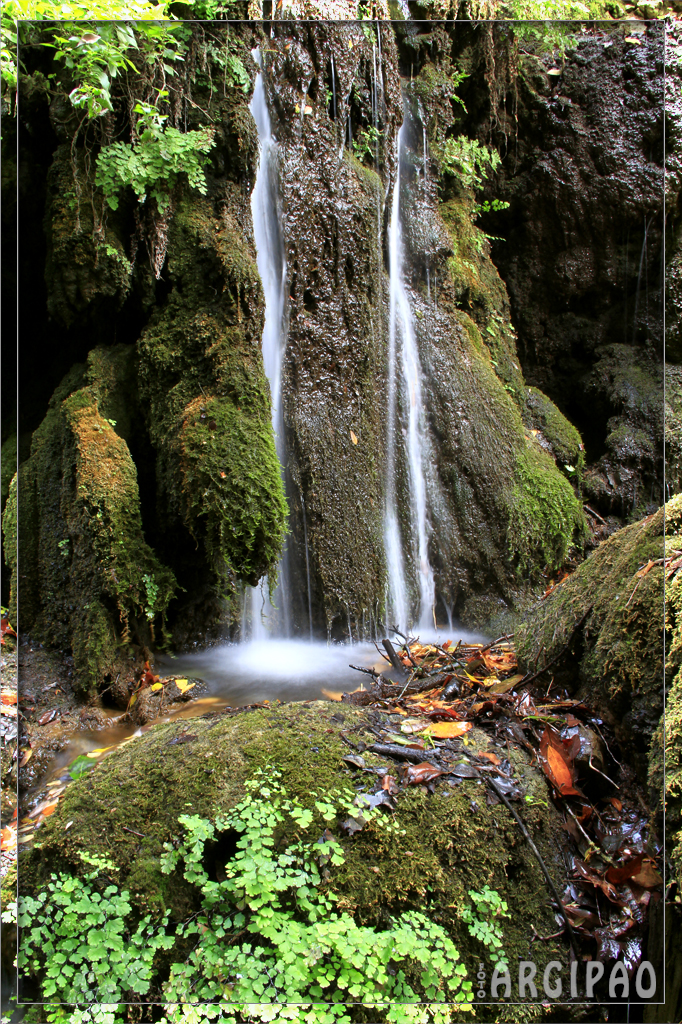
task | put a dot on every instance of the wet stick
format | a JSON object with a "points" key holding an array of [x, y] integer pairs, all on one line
{"points": [[393, 658]]}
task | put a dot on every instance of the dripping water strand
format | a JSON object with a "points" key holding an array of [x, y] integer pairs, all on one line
{"points": [[401, 327], [272, 270], [333, 86], [642, 259], [307, 567]]}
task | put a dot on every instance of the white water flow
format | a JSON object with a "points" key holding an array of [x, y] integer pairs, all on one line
{"points": [[267, 619], [403, 364]]}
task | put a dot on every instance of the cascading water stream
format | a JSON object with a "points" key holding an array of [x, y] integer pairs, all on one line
{"points": [[267, 619], [403, 362]]}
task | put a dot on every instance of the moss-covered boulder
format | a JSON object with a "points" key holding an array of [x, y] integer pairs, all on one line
{"points": [[446, 842], [605, 625], [207, 399], [89, 581]]}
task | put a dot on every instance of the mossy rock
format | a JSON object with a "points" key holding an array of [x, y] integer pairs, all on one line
{"points": [[563, 440], [673, 427], [87, 271], [608, 621], [8, 466], [89, 580], [9, 543], [208, 402], [446, 843]]}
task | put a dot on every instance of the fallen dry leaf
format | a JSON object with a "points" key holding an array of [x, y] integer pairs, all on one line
{"points": [[493, 758], [449, 730], [183, 685], [556, 763], [8, 839], [648, 877]]}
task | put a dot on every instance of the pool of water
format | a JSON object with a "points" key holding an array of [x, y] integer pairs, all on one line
{"points": [[248, 673]]}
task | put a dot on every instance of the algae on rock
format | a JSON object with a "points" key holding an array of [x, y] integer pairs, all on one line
{"points": [[88, 579], [615, 660]]}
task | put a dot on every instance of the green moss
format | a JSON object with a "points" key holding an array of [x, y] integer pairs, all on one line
{"points": [[202, 381], [563, 438], [9, 538], [88, 571], [618, 666], [545, 517], [444, 846], [673, 427], [86, 262], [8, 466]]}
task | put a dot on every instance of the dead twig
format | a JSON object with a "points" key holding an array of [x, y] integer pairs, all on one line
{"points": [[367, 671], [133, 832], [394, 659]]}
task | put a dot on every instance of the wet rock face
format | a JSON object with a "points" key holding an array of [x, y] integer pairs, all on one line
{"points": [[581, 255], [333, 215]]}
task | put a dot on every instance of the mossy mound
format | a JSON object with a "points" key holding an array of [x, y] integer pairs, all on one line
{"points": [[447, 842], [552, 427], [609, 622], [673, 427], [208, 401], [9, 542], [87, 271], [89, 581]]}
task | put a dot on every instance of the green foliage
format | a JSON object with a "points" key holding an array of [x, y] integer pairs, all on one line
{"points": [[483, 922], [151, 166], [228, 59], [469, 161], [365, 143], [557, 11], [74, 935], [152, 591], [488, 206], [267, 944], [269, 934], [94, 54]]}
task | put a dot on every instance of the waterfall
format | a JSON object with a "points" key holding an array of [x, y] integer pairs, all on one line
{"points": [[404, 366], [267, 618]]}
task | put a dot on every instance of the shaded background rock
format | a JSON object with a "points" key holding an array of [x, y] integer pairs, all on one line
{"points": [[581, 246]]}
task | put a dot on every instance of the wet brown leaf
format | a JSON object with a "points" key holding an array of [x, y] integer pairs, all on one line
{"points": [[556, 763], [418, 773]]}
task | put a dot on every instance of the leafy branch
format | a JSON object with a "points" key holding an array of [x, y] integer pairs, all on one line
{"points": [[152, 165]]}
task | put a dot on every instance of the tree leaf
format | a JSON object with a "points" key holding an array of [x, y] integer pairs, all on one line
{"points": [[449, 730]]}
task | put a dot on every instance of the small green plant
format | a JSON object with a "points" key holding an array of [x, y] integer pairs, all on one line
{"points": [[488, 206], [228, 59], [267, 936], [63, 546], [75, 936], [469, 161], [152, 165], [364, 145], [267, 943], [483, 922], [152, 590]]}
